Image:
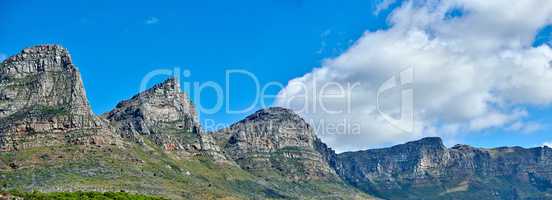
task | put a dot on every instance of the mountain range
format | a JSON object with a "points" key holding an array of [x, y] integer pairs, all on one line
{"points": [[153, 143]]}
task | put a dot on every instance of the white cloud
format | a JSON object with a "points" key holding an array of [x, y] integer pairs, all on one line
{"points": [[496, 119], [152, 20], [472, 72], [525, 127], [383, 6]]}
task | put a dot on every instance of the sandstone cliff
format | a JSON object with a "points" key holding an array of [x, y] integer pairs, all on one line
{"points": [[166, 116], [426, 169], [43, 102], [275, 140]]}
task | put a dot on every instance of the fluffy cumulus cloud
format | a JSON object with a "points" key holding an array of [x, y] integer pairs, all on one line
{"points": [[472, 65]]}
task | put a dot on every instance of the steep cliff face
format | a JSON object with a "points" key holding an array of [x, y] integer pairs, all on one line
{"points": [[427, 169], [327, 153], [163, 114], [43, 102], [275, 140]]}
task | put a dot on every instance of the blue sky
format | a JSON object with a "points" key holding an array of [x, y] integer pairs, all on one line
{"points": [[115, 44]]}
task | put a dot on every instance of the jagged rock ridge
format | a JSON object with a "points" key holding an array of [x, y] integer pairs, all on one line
{"points": [[43, 102], [164, 115], [275, 139], [427, 169]]}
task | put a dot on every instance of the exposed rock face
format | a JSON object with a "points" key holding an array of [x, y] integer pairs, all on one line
{"points": [[166, 116], [327, 153], [275, 140], [43, 102], [210, 147], [163, 114], [427, 169]]}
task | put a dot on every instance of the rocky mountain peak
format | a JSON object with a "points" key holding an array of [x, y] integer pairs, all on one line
{"points": [[42, 95], [273, 113], [282, 119], [169, 86], [462, 147], [427, 165], [162, 114], [35, 53], [269, 139], [281, 127], [42, 75], [428, 142]]}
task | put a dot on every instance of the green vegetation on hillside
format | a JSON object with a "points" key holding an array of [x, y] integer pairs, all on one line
{"points": [[147, 169], [79, 196]]}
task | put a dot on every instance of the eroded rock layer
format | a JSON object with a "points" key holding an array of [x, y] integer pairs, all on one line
{"points": [[427, 169], [43, 102], [275, 140], [166, 116]]}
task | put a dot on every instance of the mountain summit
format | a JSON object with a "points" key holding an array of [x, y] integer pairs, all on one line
{"points": [[426, 169], [276, 140], [162, 113], [43, 102]]}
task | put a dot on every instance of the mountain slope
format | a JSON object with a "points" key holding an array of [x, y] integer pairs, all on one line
{"points": [[163, 114], [276, 140], [426, 169], [42, 102], [150, 144]]}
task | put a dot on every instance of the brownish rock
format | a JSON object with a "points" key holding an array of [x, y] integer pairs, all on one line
{"points": [[275, 140], [164, 115]]}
